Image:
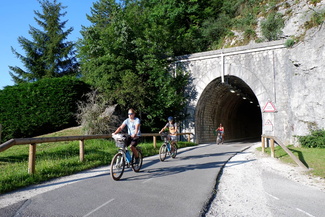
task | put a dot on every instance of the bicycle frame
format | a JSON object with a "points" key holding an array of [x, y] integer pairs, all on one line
{"points": [[125, 157]]}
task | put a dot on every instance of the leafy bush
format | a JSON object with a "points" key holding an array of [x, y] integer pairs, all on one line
{"points": [[315, 140], [95, 115], [316, 20], [31, 109], [272, 26], [290, 42]]}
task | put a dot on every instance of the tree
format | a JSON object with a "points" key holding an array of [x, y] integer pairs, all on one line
{"points": [[126, 52], [48, 54]]}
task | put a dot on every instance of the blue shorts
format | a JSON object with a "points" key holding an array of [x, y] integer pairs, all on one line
{"points": [[172, 138]]}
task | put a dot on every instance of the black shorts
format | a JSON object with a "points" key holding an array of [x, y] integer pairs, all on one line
{"points": [[132, 141]]}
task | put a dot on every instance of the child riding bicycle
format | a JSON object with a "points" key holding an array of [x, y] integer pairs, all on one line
{"points": [[172, 129]]}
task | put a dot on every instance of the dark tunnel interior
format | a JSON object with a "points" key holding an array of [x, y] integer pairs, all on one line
{"points": [[232, 103]]}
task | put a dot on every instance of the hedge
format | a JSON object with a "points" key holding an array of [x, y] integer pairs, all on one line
{"points": [[31, 109]]}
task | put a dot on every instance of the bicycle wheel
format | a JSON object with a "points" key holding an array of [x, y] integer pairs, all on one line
{"points": [[173, 150], [218, 140], [136, 166], [163, 152], [117, 166]]}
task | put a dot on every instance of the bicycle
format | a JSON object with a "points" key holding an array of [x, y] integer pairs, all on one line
{"points": [[167, 147], [124, 158], [219, 138]]}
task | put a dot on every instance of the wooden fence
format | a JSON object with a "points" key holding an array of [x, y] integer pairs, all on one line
{"points": [[33, 141], [275, 139]]}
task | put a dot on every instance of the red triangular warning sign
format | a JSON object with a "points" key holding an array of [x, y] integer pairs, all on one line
{"points": [[269, 107]]}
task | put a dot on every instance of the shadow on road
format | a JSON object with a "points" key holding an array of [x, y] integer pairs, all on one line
{"points": [[172, 166]]}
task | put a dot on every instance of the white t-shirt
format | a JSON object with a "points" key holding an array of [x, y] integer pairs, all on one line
{"points": [[131, 125]]}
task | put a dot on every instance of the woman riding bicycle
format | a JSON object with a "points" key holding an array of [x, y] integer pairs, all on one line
{"points": [[221, 129], [133, 125], [172, 128]]}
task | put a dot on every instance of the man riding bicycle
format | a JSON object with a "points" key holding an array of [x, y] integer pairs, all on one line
{"points": [[133, 125]]}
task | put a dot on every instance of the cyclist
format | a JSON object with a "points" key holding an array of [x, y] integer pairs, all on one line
{"points": [[172, 128], [133, 125], [221, 129]]}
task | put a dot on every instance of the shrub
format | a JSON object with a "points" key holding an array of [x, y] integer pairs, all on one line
{"points": [[290, 42], [95, 115], [315, 140], [316, 19], [31, 109], [272, 26]]}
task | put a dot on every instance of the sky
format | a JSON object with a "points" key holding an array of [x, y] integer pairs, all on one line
{"points": [[16, 17]]}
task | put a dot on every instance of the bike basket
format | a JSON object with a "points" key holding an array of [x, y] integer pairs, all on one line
{"points": [[121, 143], [164, 135]]}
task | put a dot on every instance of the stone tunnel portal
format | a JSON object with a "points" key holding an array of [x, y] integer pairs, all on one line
{"points": [[232, 103]]}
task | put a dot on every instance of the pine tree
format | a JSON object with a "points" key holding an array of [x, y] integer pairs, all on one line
{"points": [[48, 54]]}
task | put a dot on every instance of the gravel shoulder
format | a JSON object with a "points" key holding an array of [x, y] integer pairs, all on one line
{"points": [[240, 190]]}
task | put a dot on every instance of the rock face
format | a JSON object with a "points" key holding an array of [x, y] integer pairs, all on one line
{"points": [[306, 77], [291, 78], [296, 14]]}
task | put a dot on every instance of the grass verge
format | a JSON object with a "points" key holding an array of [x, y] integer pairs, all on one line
{"points": [[59, 159], [312, 157]]}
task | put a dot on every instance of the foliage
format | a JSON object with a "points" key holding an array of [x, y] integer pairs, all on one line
{"points": [[95, 115], [272, 26], [315, 140], [290, 42], [314, 2], [31, 109], [316, 19], [124, 54], [47, 54]]}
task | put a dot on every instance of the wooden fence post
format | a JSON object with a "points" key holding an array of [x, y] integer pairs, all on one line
{"points": [[263, 144], [32, 158], [81, 150], [188, 137], [272, 148], [154, 142]]}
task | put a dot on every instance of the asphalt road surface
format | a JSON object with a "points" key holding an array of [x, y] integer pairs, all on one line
{"points": [[175, 187]]}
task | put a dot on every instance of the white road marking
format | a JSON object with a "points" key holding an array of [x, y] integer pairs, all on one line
{"points": [[274, 197], [94, 210], [147, 180], [300, 210]]}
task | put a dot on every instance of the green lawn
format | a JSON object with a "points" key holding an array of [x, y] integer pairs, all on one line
{"points": [[312, 157], [60, 159]]}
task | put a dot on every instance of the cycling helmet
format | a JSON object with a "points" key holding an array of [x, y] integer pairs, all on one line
{"points": [[170, 118]]}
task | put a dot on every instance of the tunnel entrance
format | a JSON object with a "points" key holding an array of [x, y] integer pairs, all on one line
{"points": [[232, 103]]}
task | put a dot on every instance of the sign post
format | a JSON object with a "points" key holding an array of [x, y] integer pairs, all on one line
{"points": [[269, 110]]}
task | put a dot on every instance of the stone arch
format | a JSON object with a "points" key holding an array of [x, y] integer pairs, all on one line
{"points": [[232, 103]]}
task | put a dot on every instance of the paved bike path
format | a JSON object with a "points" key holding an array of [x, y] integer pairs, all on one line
{"points": [[175, 187]]}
